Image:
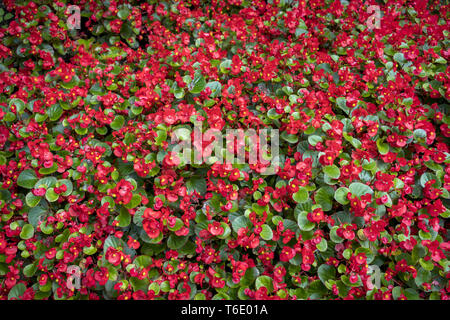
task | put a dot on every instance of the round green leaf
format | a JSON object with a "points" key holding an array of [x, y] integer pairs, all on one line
{"points": [[266, 233], [301, 196], [68, 185], [175, 242], [332, 171], [123, 13], [27, 179], [118, 122], [46, 182], [359, 189], [17, 291], [27, 232], [31, 200], [341, 195], [51, 195], [20, 105], [326, 272], [198, 84], [324, 197], [264, 281], [322, 245], [303, 222]]}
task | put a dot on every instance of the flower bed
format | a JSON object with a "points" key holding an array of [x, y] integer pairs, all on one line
{"points": [[96, 97]]}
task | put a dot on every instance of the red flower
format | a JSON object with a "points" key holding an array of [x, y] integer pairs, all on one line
{"points": [[287, 253], [150, 213], [316, 216], [171, 160], [327, 159], [215, 228], [38, 192], [123, 192], [113, 256], [384, 181], [116, 25]]}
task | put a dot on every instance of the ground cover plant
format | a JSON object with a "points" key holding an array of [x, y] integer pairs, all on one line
{"points": [[96, 204]]}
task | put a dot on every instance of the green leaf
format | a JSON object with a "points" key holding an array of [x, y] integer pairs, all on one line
{"points": [[160, 137], [240, 222], [54, 112], [46, 182], [198, 84], [126, 31], [9, 117], [317, 288], [216, 88], [422, 276], [272, 114], [225, 66], [396, 292], [322, 245], [175, 242], [424, 178], [20, 105], [178, 225], [155, 287], [301, 196], [291, 138], [264, 281], [347, 253], [137, 217], [124, 218], [341, 195], [123, 13], [196, 183], [266, 232], [249, 277], [68, 185], [411, 294], [3, 269], [139, 284], [51, 195], [334, 237], [399, 57], [143, 261], [50, 170], [89, 250], [303, 222], [324, 197], [341, 102], [30, 269], [27, 232], [359, 189], [31, 200], [27, 179], [114, 242], [226, 232], [47, 229], [326, 272], [353, 141], [118, 122], [178, 93], [427, 265], [134, 202], [332, 171], [419, 134], [17, 291], [35, 215], [182, 133]]}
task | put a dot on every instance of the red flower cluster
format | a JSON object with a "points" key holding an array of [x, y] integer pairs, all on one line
{"points": [[91, 180]]}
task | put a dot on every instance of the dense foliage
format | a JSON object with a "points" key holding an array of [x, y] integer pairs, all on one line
{"points": [[88, 177]]}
